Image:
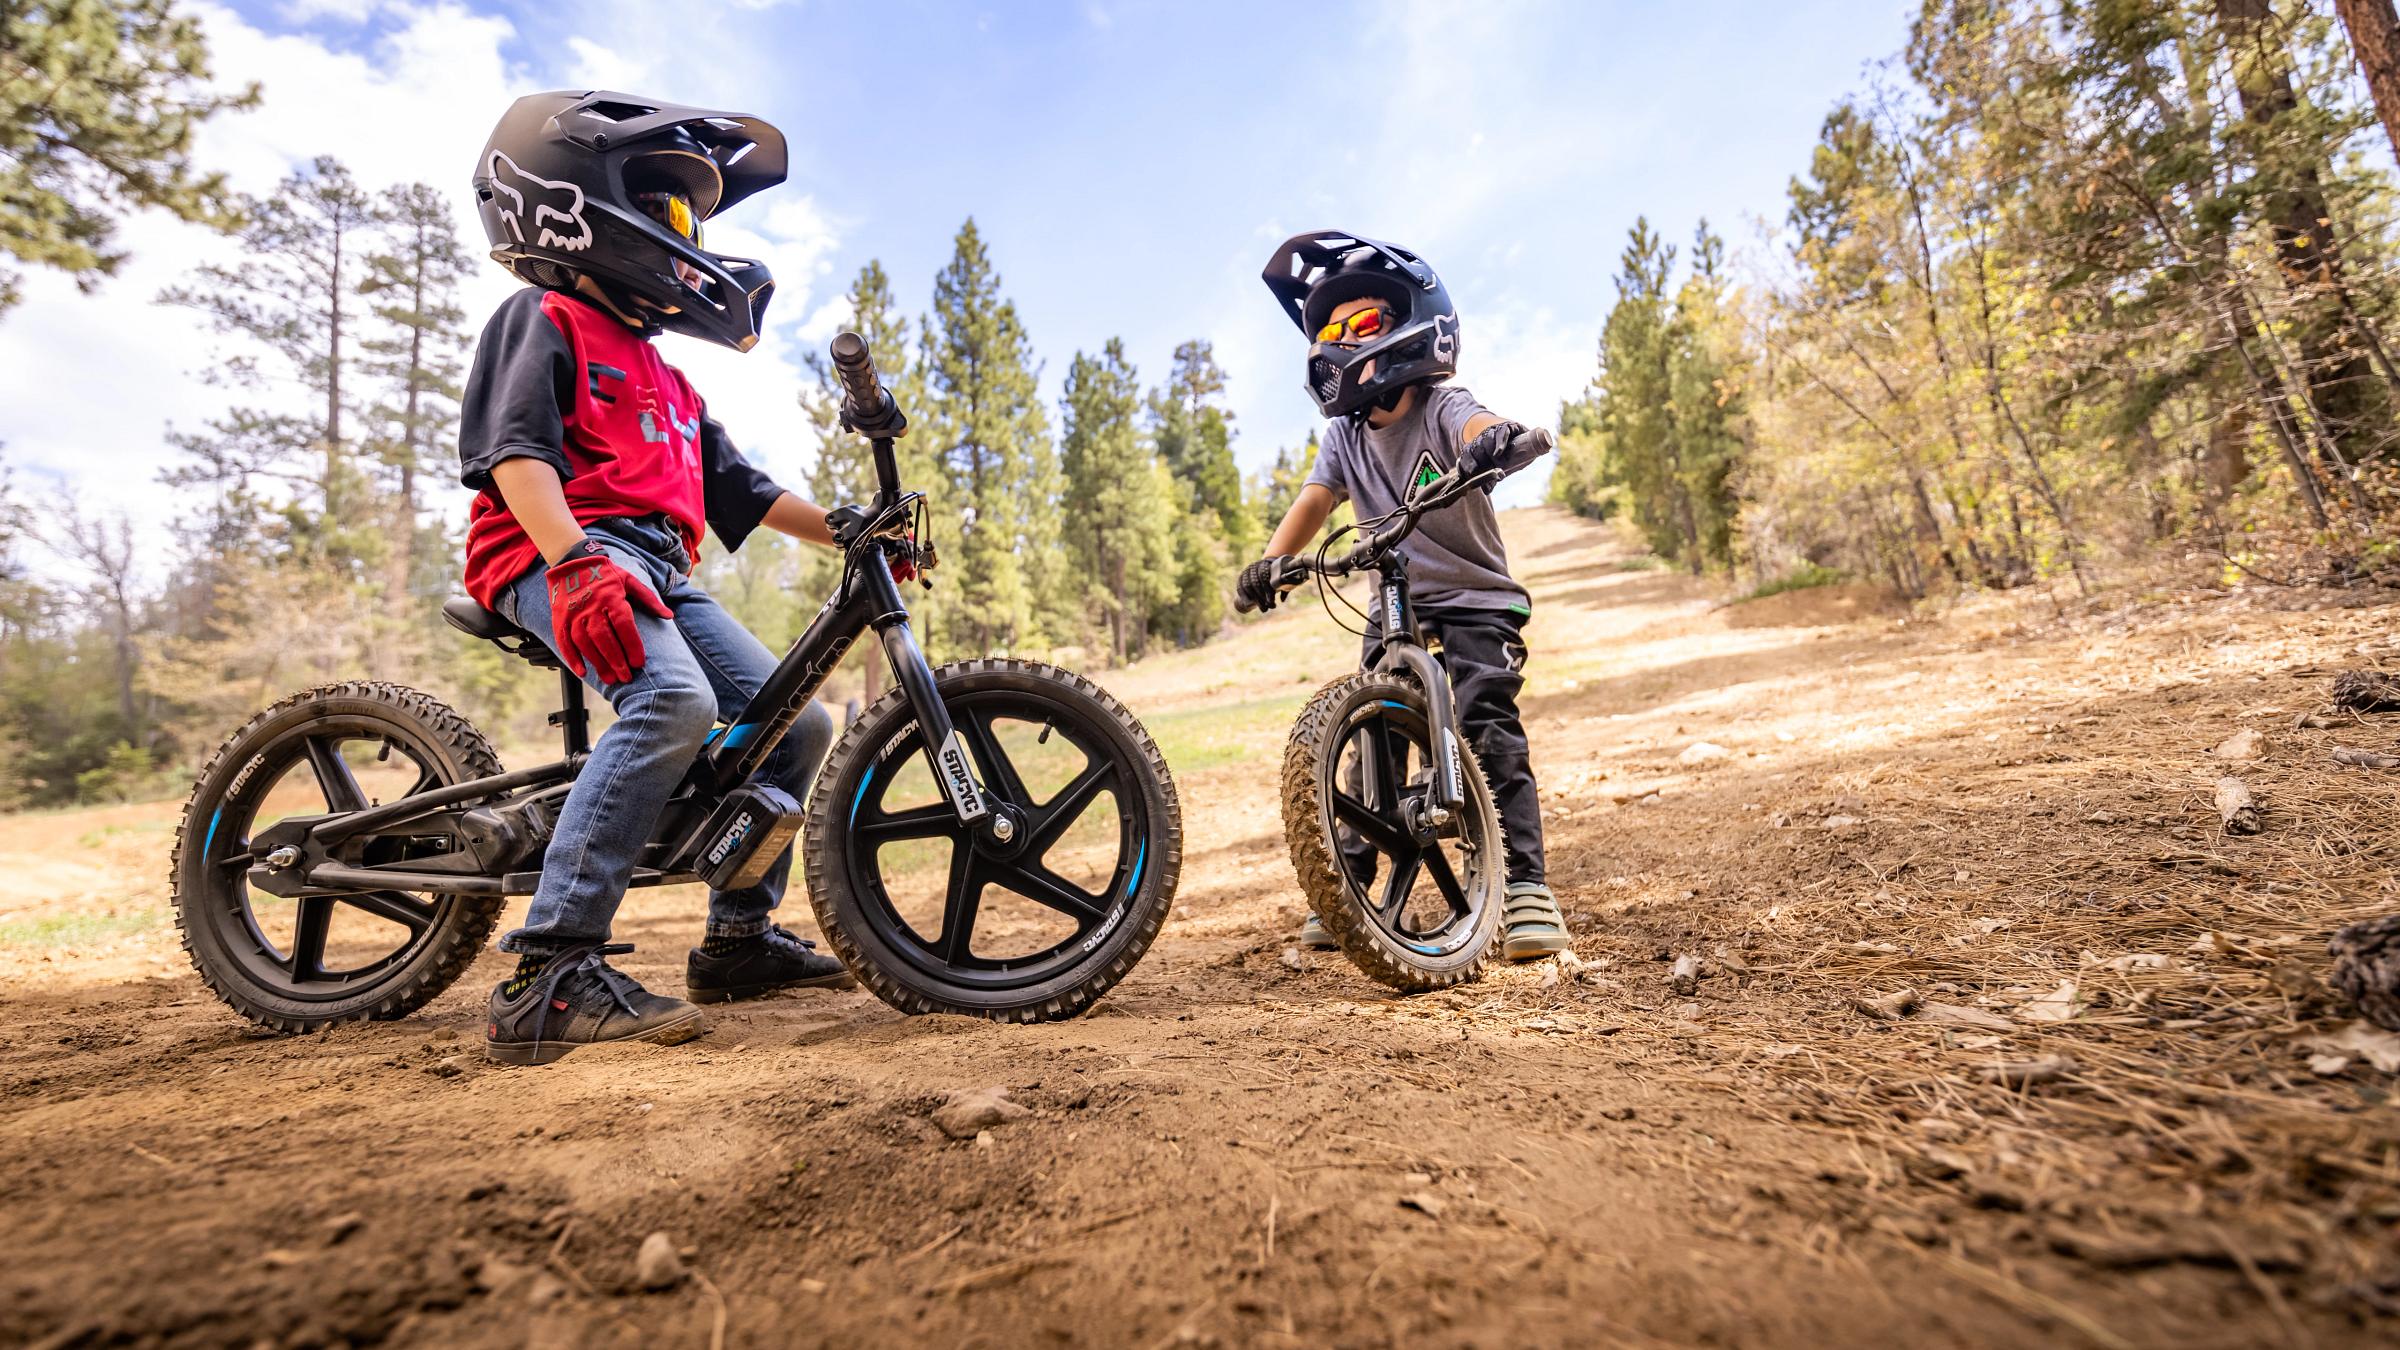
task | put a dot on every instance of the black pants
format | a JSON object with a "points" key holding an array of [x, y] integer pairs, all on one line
{"points": [[1484, 652]]}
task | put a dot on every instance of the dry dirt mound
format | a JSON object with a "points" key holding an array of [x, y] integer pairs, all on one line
{"points": [[1987, 1036], [1816, 607]]}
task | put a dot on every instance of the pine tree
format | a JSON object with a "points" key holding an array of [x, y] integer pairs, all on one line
{"points": [[844, 471], [1194, 431], [98, 103], [1706, 389], [1120, 499], [419, 354], [293, 298], [1635, 397], [983, 423], [1275, 492]]}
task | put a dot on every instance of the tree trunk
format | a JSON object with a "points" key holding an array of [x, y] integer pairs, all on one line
{"points": [[2335, 369], [333, 380], [2375, 40], [2225, 463]]}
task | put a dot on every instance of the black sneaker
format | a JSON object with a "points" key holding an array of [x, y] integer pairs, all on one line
{"points": [[579, 999], [773, 960]]}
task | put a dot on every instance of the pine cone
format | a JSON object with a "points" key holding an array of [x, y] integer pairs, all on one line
{"points": [[2366, 966], [2366, 691]]}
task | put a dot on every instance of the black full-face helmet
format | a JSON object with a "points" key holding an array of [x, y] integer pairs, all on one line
{"points": [[576, 183], [1319, 271]]}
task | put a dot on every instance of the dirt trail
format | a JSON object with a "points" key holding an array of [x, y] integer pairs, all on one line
{"points": [[1231, 1151]]}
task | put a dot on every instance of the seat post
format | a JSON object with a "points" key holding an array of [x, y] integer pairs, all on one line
{"points": [[572, 718]]}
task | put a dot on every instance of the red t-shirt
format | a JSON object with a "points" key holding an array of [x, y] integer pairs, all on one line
{"points": [[558, 379]]}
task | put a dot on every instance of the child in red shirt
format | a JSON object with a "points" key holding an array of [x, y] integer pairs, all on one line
{"points": [[596, 466]]}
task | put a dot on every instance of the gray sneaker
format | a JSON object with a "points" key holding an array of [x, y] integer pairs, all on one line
{"points": [[1535, 927], [1313, 936]]}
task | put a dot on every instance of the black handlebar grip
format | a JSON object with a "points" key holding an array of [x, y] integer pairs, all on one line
{"points": [[855, 366]]}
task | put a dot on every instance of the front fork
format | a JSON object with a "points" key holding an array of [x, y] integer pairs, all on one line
{"points": [[1404, 648], [873, 600]]}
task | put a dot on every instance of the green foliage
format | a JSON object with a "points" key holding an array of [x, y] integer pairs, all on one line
{"points": [[98, 103], [1121, 501], [1212, 528], [1274, 494], [122, 775], [1662, 432], [983, 421], [2064, 283], [1807, 576]]}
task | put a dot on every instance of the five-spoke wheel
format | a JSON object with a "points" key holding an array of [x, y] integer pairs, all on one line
{"points": [[306, 961], [1031, 912]]}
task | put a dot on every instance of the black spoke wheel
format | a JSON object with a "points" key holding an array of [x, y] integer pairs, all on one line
{"points": [[302, 964], [935, 916], [1413, 907]]}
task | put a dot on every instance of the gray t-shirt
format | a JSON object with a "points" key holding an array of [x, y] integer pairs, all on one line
{"points": [[1455, 557]]}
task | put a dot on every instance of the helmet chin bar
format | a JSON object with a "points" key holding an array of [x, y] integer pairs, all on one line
{"points": [[1349, 381]]}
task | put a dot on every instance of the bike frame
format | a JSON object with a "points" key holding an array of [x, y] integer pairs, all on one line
{"points": [[1404, 652], [867, 599]]}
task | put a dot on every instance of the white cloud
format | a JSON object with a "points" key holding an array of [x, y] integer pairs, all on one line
{"points": [[92, 382], [598, 67]]}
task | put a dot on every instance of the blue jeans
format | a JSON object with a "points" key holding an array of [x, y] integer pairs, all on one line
{"points": [[700, 666]]}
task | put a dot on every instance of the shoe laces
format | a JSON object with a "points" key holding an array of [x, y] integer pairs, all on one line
{"points": [[778, 935], [558, 983]]}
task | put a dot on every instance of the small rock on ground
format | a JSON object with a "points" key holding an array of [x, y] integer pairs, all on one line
{"points": [[658, 1265], [970, 1111]]}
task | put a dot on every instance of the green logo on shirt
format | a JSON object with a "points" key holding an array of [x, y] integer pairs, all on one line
{"points": [[1427, 470]]}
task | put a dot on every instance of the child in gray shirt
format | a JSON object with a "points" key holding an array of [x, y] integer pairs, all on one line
{"points": [[1385, 339]]}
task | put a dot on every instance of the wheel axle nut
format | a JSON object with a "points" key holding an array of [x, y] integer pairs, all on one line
{"points": [[282, 858], [1003, 829]]}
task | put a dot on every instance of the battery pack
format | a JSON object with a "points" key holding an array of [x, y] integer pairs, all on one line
{"points": [[744, 836]]}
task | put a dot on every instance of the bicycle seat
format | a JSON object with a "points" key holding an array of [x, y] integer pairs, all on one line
{"points": [[462, 613]]}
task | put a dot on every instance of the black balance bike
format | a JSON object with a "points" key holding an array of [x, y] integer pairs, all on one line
{"points": [[995, 838], [1390, 822]]}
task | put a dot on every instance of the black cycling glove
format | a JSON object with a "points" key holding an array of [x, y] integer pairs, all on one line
{"points": [[1489, 451], [1257, 586]]}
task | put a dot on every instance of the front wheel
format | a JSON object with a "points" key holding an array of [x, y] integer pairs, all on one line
{"points": [[934, 916], [1412, 907]]}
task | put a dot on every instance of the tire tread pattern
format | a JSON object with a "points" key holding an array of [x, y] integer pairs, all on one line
{"points": [[824, 840], [459, 941], [1318, 867]]}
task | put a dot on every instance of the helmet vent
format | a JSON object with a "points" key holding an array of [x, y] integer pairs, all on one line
{"points": [[1324, 379], [617, 112]]}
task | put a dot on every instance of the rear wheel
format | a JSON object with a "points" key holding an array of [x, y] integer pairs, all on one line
{"points": [[300, 965], [934, 916], [1413, 908]]}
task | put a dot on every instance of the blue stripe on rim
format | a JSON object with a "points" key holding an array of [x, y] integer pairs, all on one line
{"points": [[213, 817], [1141, 854], [855, 802]]}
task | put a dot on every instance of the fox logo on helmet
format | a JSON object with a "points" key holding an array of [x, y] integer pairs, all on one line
{"points": [[554, 210]]}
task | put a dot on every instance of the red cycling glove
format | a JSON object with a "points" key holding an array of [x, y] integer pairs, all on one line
{"points": [[591, 613]]}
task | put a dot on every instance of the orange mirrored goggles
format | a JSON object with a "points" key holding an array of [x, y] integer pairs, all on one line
{"points": [[1359, 327], [673, 210]]}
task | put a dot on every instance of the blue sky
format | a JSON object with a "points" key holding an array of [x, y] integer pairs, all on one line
{"points": [[1130, 164]]}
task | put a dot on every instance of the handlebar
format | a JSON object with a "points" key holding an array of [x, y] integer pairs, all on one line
{"points": [[867, 407], [1384, 537]]}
